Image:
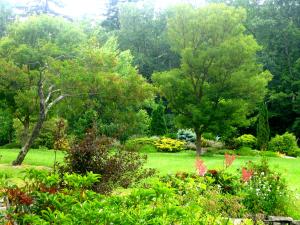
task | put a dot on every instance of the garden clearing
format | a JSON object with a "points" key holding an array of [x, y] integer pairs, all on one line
{"points": [[164, 163]]}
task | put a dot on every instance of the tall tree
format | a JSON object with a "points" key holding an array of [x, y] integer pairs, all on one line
{"points": [[263, 129], [6, 16], [276, 26], [111, 21], [143, 31], [158, 122], [219, 81], [33, 54], [39, 7]]}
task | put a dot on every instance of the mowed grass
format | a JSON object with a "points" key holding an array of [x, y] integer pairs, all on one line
{"points": [[164, 163]]}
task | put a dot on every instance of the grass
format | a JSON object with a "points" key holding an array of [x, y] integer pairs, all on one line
{"points": [[164, 162]]}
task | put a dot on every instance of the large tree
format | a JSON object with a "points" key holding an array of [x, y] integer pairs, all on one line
{"points": [[6, 16], [276, 26], [143, 31], [219, 81], [33, 54]]}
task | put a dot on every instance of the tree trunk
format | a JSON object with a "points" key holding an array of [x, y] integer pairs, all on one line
{"points": [[198, 143], [29, 141]]}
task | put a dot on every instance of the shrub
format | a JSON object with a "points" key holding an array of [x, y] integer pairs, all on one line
{"points": [[135, 144], [285, 143], [246, 151], [247, 140], [169, 145], [115, 166], [186, 135], [266, 192]]}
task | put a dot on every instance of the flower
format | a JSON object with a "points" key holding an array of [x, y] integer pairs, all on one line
{"points": [[246, 174], [229, 159], [201, 168]]}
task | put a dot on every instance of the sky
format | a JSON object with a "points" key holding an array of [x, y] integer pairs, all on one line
{"points": [[77, 8]]}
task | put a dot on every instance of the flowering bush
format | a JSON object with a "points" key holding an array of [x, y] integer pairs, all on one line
{"points": [[169, 145], [264, 191]]}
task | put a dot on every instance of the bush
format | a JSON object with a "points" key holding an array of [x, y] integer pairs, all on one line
{"points": [[186, 135], [135, 144], [169, 145], [246, 151], [286, 144], [266, 192], [115, 166], [67, 199], [247, 140]]}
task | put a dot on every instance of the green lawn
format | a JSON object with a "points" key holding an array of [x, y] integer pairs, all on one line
{"points": [[163, 162]]}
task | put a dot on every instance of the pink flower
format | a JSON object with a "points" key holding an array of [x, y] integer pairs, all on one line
{"points": [[201, 168], [246, 174], [229, 160]]}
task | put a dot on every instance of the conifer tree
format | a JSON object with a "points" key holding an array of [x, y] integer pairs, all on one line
{"points": [[263, 129]]}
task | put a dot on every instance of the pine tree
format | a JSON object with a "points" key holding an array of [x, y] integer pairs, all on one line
{"points": [[158, 122], [263, 129]]}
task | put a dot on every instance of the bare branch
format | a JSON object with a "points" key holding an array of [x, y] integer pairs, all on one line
{"points": [[55, 101]]}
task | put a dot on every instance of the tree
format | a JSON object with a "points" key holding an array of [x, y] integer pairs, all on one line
{"points": [[118, 94], [35, 55], [112, 14], [158, 123], [219, 81], [263, 129], [6, 16], [276, 26], [143, 31], [39, 7]]}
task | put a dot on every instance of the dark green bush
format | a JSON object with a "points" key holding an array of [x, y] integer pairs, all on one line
{"points": [[286, 144]]}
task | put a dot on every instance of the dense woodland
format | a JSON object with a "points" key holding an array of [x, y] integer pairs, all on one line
{"points": [[143, 71]]}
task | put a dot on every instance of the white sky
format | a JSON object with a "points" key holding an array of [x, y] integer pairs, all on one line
{"points": [[77, 8]]}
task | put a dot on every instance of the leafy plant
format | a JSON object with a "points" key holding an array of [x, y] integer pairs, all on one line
{"points": [[169, 145], [285, 143], [115, 166], [246, 140]]}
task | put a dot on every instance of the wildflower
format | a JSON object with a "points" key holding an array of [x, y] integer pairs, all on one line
{"points": [[246, 174], [229, 160], [201, 168]]}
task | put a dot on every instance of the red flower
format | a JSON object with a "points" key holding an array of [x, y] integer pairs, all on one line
{"points": [[246, 174], [229, 160], [201, 168]]}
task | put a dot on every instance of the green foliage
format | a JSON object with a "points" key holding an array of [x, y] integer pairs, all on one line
{"points": [[266, 191], [6, 16], [135, 144], [247, 140], [285, 143], [219, 76], [142, 30], [169, 145], [158, 123], [246, 151], [263, 129], [6, 121], [115, 166], [186, 135]]}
